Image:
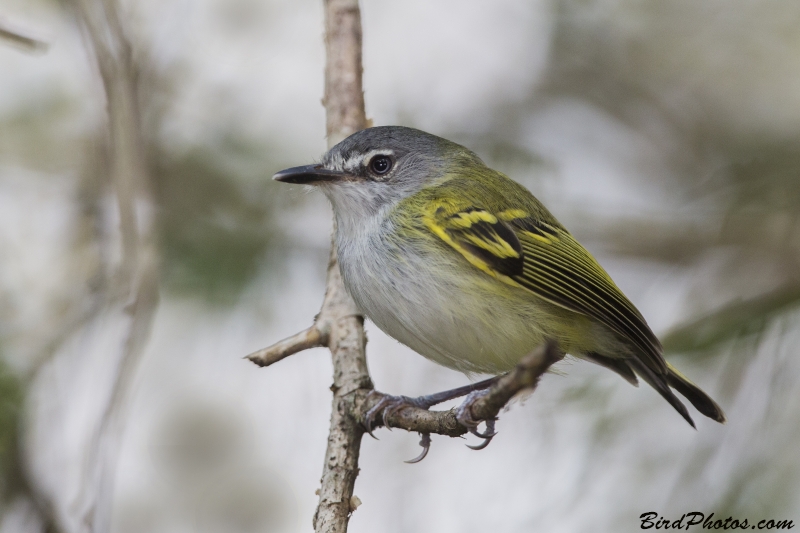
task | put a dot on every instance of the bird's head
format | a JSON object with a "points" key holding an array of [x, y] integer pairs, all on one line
{"points": [[379, 167]]}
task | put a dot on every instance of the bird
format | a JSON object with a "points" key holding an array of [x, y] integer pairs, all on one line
{"points": [[468, 268]]}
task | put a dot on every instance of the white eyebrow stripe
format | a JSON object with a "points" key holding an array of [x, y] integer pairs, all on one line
{"points": [[355, 162]]}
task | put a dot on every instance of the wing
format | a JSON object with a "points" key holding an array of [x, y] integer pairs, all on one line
{"points": [[485, 241], [545, 259]]}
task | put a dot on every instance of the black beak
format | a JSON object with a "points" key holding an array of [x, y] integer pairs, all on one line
{"points": [[308, 174]]}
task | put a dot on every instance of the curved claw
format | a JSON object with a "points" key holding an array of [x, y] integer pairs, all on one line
{"points": [[464, 412], [369, 417], [393, 407], [488, 434], [425, 442], [465, 418], [482, 445]]}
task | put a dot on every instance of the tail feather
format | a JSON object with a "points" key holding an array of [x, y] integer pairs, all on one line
{"points": [[701, 401], [628, 368], [659, 383], [616, 364]]}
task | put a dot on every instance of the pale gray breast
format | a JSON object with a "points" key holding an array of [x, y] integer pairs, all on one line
{"points": [[433, 302], [378, 273], [392, 284]]}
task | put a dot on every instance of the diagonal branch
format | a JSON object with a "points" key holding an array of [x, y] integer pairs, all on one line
{"points": [[486, 406]]}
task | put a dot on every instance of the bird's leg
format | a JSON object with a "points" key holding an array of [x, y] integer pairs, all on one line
{"points": [[434, 399], [389, 405]]}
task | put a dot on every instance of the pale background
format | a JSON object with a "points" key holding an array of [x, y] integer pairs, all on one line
{"points": [[663, 134]]}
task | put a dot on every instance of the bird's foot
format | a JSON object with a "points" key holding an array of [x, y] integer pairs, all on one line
{"points": [[389, 405], [466, 419]]}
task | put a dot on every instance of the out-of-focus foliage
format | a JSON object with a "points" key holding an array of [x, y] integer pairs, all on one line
{"points": [[202, 455], [735, 320], [11, 395], [215, 229]]}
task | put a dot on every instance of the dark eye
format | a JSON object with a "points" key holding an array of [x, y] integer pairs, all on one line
{"points": [[380, 164]]}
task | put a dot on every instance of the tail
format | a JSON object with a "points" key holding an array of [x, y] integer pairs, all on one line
{"points": [[626, 368], [701, 401], [680, 383], [659, 383]]}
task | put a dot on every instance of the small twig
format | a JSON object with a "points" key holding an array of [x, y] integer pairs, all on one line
{"points": [[21, 38], [309, 338]]}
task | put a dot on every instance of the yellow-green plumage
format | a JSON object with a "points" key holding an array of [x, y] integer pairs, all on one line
{"points": [[468, 268], [468, 213], [551, 263]]}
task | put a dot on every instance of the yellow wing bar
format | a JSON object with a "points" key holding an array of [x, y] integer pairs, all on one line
{"points": [[485, 241], [547, 261]]}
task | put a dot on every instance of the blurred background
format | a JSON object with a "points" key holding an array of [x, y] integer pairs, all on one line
{"points": [[144, 250]]}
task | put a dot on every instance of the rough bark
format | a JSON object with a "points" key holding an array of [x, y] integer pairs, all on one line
{"points": [[344, 106]]}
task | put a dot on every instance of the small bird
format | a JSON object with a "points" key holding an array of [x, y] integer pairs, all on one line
{"points": [[466, 267]]}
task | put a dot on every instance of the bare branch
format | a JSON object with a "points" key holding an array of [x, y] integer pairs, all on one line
{"points": [[309, 338], [525, 375], [488, 404], [344, 106], [344, 96], [347, 342]]}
